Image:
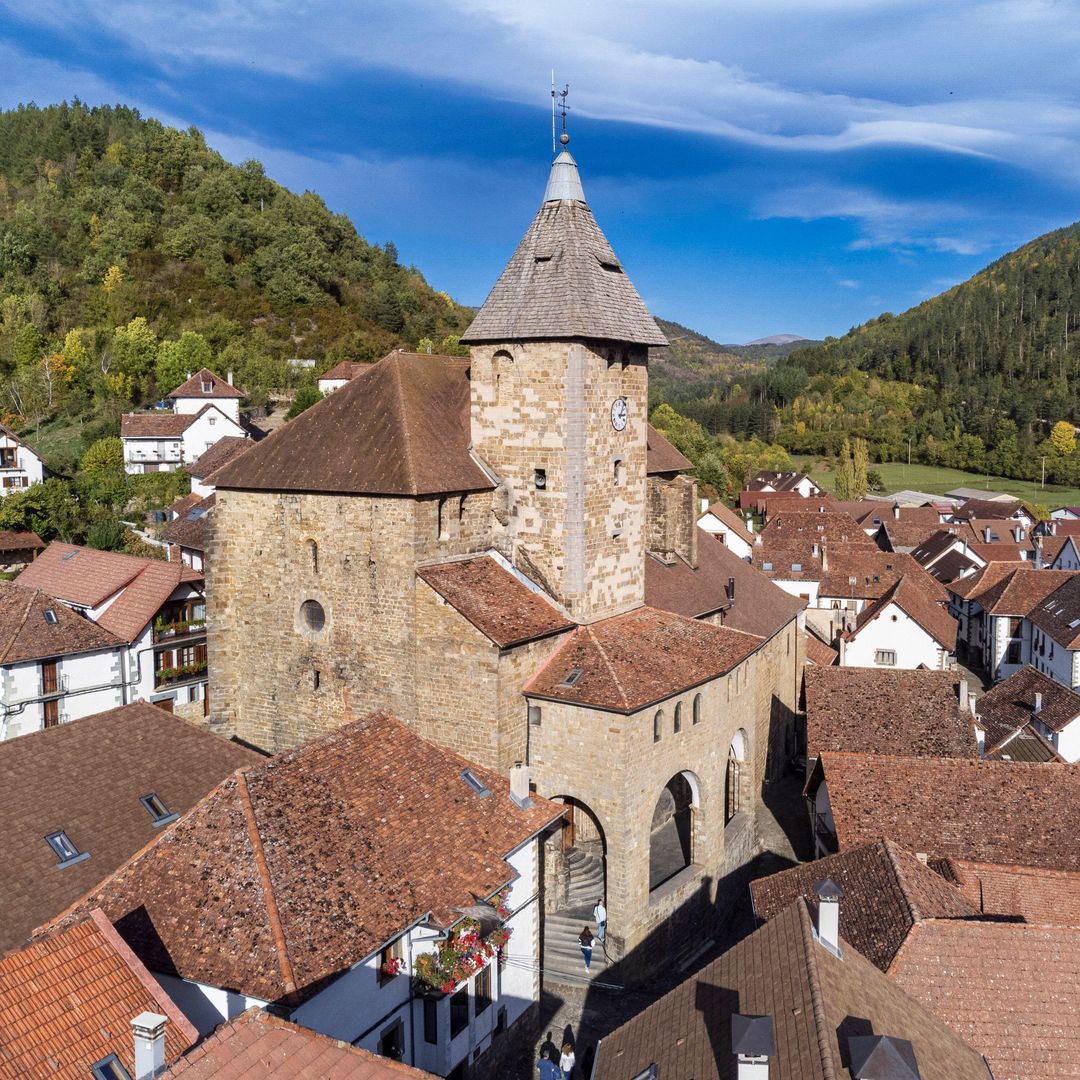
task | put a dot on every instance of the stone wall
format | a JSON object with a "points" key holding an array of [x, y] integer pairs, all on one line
{"points": [[671, 518]]}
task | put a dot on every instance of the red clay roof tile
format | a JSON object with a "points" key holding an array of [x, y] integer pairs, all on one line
{"points": [[194, 387], [26, 633]]}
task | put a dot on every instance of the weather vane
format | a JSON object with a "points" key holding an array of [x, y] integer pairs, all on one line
{"points": [[558, 100]]}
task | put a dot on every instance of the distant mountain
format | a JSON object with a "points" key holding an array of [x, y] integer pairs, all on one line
{"points": [[777, 339], [692, 358]]}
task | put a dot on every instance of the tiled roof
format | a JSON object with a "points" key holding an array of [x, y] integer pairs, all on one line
{"points": [[191, 529], [872, 513], [817, 652], [827, 527], [346, 370], [1020, 590], [886, 890], [1011, 703], [972, 586], [294, 870], [811, 995], [913, 602], [564, 281], [633, 660], [161, 425], [909, 534], [86, 778], [86, 577], [401, 427], [26, 633], [258, 1046], [727, 517], [1058, 615], [952, 808], [500, 606], [855, 709], [20, 541], [193, 388], [875, 572], [987, 508], [953, 565], [1010, 990], [760, 607], [224, 450], [1024, 744], [661, 456], [775, 502], [67, 1002], [1031, 894], [778, 481], [181, 505]]}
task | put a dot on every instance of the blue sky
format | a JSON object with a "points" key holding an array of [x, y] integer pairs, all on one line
{"points": [[760, 166]]}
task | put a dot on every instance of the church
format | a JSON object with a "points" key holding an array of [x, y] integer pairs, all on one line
{"points": [[499, 550]]}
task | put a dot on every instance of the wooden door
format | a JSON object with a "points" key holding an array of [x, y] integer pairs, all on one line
{"points": [[52, 713], [49, 681]]}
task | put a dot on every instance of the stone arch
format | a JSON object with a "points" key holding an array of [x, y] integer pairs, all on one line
{"points": [[737, 777], [502, 367], [672, 828], [581, 855], [312, 548]]}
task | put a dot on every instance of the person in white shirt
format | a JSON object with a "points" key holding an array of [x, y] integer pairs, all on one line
{"points": [[599, 913], [566, 1061]]}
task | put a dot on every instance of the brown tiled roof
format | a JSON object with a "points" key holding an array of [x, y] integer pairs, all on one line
{"points": [[1031, 894], [1007, 553], [952, 808], [953, 565], [1024, 744], [180, 506], [500, 606], [193, 388], [162, 425], [85, 778], [908, 534], [726, 516], [875, 572], [877, 512], [1052, 546], [776, 502], [817, 652], [855, 709], [291, 871], [827, 527], [346, 369], [974, 585], [192, 528], [811, 995], [913, 602], [26, 634], [1010, 990], [399, 428], [886, 890], [1058, 615], [1019, 591], [632, 660], [67, 1002], [86, 577], [224, 450], [564, 281], [779, 481], [1011, 703], [987, 508], [258, 1046], [760, 607], [661, 456], [20, 541]]}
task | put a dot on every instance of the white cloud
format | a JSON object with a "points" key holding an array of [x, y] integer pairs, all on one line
{"points": [[849, 283]]}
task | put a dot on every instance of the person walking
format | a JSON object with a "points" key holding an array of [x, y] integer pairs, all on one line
{"points": [[599, 913], [548, 1069], [586, 939], [566, 1061]]}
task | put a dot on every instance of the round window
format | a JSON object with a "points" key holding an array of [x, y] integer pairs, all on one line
{"points": [[314, 616]]}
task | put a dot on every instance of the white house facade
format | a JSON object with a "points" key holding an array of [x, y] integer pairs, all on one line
{"points": [[893, 640], [19, 465]]}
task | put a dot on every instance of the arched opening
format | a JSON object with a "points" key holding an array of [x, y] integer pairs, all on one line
{"points": [[658, 725], [671, 836], [583, 854], [697, 708], [501, 366], [737, 780], [313, 555], [677, 726]]}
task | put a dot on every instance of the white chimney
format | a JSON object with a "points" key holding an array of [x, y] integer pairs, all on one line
{"points": [[1037, 541], [753, 1043], [963, 695], [749, 523], [1038, 705], [816, 550], [704, 505], [986, 534], [149, 1031], [829, 895], [228, 378], [824, 558], [896, 511], [519, 785]]}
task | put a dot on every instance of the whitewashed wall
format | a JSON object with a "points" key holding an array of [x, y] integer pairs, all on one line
{"points": [[189, 406], [895, 631], [207, 430]]}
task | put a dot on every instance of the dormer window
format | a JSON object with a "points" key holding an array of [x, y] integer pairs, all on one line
{"points": [[207, 386], [64, 849]]}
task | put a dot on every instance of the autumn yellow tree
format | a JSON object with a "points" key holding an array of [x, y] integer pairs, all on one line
{"points": [[1063, 438]]}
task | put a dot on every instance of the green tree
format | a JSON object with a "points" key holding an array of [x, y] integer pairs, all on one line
{"points": [[49, 509], [306, 396], [176, 360], [860, 464], [844, 488], [134, 350], [107, 453]]}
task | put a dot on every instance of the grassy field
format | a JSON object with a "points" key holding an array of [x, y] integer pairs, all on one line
{"points": [[936, 481]]}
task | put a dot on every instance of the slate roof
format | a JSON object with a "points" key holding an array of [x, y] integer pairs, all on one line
{"points": [[67, 1002], [730, 520], [20, 541], [500, 606], [760, 607], [346, 369], [291, 871], [633, 660], [1058, 615], [192, 528], [86, 578], [193, 387], [660, 456], [26, 634], [1011, 703], [86, 777], [914, 603], [159, 425], [952, 808], [224, 450], [258, 1046], [1010, 990], [812, 997], [1032, 894], [886, 891], [855, 709], [564, 281], [401, 427]]}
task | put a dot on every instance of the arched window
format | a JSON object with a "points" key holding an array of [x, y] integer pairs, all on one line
{"points": [[313, 555], [697, 708], [617, 472], [736, 780], [658, 725], [501, 366], [678, 718]]}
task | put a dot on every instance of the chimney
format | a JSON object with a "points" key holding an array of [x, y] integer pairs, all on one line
{"points": [[963, 695], [229, 377], [758, 542], [731, 589], [986, 534], [1053, 527], [829, 895], [1019, 532], [749, 523], [704, 505], [519, 786], [188, 376], [874, 1057], [824, 558], [1038, 705], [149, 1032], [1037, 542], [816, 550], [753, 1043], [896, 511]]}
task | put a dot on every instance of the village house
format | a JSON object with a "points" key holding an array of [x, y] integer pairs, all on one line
{"points": [[339, 375], [20, 466], [155, 608], [187, 536], [55, 666], [222, 452], [206, 409], [796, 482], [79, 799], [1055, 633], [370, 885], [721, 522], [1032, 703], [947, 555], [460, 540], [18, 548]]}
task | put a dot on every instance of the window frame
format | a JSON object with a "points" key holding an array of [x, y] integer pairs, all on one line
{"points": [[158, 819], [115, 1067], [880, 657], [56, 841]]}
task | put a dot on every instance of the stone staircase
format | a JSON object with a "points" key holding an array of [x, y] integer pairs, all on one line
{"points": [[562, 949]]}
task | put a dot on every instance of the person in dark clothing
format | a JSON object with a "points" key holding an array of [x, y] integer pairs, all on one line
{"points": [[549, 1070], [586, 939], [549, 1046]]}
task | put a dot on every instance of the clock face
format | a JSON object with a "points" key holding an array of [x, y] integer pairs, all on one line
{"points": [[619, 413]]}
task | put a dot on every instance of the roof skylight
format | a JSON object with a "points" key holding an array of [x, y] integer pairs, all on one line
{"points": [[572, 676], [157, 809], [475, 783], [50, 617], [64, 849]]}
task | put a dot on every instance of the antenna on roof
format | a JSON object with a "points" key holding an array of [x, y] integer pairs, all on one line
{"points": [[558, 100]]}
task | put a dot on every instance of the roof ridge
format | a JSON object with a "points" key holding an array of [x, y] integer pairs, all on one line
{"points": [[284, 963], [22, 622], [609, 666], [898, 873], [399, 393], [817, 1003]]}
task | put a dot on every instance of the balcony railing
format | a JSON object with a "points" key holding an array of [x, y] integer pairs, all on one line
{"points": [[54, 687], [182, 629]]}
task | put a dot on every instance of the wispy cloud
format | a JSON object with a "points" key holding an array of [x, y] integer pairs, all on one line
{"points": [[849, 283]]}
